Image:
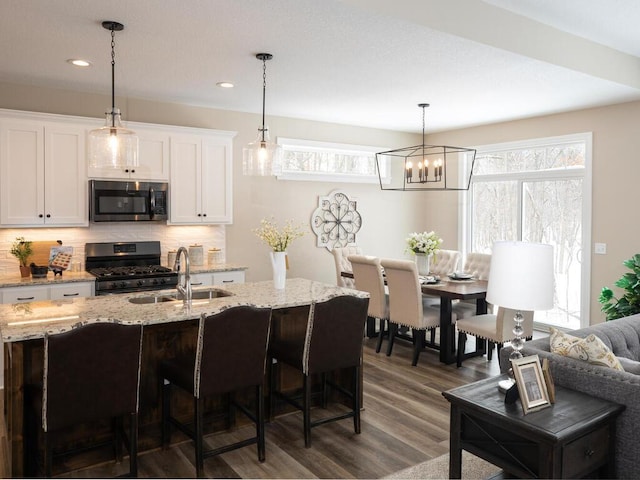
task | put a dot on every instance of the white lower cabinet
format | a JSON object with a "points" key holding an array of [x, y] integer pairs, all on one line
{"points": [[225, 278], [71, 290], [217, 278], [201, 279], [24, 294]]}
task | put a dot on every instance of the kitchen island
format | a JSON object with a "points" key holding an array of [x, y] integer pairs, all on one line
{"points": [[169, 327]]}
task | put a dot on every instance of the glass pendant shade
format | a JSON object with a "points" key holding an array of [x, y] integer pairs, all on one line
{"points": [[113, 146], [262, 157]]}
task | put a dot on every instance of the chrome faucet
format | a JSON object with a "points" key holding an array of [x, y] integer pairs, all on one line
{"points": [[184, 283]]}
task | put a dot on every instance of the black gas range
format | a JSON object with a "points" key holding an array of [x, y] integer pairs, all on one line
{"points": [[126, 267]]}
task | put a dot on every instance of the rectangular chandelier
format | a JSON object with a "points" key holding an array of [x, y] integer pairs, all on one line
{"points": [[426, 167]]}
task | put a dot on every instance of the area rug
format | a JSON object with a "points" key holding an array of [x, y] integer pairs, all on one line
{"points": [[472, 467]]}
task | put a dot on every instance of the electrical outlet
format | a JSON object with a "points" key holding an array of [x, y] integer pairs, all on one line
{"points": [[601, 248]]}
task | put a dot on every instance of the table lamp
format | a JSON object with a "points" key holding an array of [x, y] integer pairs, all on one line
{"points": [[521, 278]]}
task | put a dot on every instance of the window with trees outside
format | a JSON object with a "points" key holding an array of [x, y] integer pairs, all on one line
{"points": [[322, 161], [538, 191]]}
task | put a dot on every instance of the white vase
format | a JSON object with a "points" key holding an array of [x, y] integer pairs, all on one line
{"points": [[423, 262], [279, 266]]}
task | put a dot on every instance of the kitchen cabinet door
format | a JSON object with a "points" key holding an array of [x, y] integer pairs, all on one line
{"points": [[24, 294], [153, 159], [42, 174], [201, 179], [227, 278], [71, 290]]}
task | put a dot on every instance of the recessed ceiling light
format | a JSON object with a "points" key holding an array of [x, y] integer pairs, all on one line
{"points": [[225, 84], [78, 62]]}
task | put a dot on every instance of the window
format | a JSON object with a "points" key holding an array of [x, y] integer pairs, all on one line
{"points": [[538, 191], [320, 161]]}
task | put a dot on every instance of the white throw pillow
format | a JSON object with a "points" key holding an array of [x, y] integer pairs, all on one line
{"points": [[589, 349]]}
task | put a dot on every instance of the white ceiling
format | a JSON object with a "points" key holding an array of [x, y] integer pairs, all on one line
{"points": [[356, 62]]}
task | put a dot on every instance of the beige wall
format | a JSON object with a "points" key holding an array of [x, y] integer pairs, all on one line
{"points": [[387, 216], [616, 178]]}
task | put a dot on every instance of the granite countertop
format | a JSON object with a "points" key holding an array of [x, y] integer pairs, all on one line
{"points": [[26, 321], [14, 280]]}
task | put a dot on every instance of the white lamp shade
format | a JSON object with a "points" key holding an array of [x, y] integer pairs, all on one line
{"points": [[113, 146], [521, 276]]}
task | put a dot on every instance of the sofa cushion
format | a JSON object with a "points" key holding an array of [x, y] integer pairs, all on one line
{"points": [[590, 349], [629, 365]]}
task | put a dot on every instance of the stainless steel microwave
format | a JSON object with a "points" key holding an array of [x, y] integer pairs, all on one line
{"points": [[127, 201]]}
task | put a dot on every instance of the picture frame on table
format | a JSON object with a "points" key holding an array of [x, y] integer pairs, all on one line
{"points": [[532, 387]]}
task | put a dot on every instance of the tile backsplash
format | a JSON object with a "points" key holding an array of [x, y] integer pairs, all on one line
{"points": [[170, 237]]}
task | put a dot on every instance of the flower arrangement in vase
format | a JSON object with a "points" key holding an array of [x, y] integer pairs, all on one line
{"points": [[279, 240], [423, 245], [22, 250]]}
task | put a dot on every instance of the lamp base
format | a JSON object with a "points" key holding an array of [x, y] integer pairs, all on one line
{"points": [[504, 385]]}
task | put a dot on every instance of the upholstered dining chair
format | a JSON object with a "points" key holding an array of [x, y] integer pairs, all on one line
{"points": [[90, 373], [367, 274], [479, 265], [333, 341], [494, 329], [342, 263], [406, 307], [230, 356], [442, 263]]}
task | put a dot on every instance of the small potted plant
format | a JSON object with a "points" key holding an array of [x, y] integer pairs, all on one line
{"points": [[629, 302], [21, 249]]}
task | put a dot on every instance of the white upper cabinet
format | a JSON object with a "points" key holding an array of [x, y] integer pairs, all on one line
{"points": [[153, 158], [42, 173], [201, 178]]}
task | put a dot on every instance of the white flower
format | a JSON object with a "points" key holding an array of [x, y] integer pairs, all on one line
{"points": [[425, 242], [278, 239]]}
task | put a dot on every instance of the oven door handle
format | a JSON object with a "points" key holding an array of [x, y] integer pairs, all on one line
{"points": [[152, 203]]}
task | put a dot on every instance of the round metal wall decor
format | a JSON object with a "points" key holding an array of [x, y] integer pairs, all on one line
{"points": [[336, 220]]}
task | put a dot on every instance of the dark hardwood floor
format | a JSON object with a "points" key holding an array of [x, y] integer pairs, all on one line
{"points": [[405, 422]]}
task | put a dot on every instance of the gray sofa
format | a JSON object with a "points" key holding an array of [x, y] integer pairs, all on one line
{"points": [[622, 336]]}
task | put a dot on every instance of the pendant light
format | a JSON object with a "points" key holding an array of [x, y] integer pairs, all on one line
{"points": [[426, 167], [262, 157], [113, 146]]}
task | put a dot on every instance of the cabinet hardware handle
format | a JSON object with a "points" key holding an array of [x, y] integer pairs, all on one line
{"points": [[70, 294], [40, 216], [48, 215], [198, 283], [204, 214], [199, 214], [227, 281], [133, 171], [589, 452], [126, 170], [25, 298]]}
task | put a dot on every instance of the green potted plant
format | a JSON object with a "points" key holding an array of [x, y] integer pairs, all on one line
{"points": [[629, 303], [22, 250]]}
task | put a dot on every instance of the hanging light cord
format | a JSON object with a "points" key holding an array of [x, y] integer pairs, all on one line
{"points": [[113, 76], [264, 91]]}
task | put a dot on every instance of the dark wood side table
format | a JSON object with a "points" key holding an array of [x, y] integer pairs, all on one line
{"points": [[570, 439]]}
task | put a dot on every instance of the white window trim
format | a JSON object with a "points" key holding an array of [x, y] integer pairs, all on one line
{"points": [[312, 145], [464, 220]]}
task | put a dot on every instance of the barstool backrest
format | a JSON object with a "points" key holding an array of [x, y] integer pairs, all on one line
{"points": [[334, 334], [91, 372], [232, 350]]}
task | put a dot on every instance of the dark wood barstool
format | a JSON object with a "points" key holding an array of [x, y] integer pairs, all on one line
{"points": [[90, 373], [333, 341], [230, 355]]}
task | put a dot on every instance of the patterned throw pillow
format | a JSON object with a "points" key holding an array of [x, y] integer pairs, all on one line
{"points": [[589, 349]]}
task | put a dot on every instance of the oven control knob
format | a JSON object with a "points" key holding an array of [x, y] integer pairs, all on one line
{"points": [[140, 283], [123, 284], [155, 281], [113, 286], [163, 281]]}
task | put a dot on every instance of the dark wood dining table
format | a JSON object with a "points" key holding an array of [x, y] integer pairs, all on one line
{"points": [[448, 291]]}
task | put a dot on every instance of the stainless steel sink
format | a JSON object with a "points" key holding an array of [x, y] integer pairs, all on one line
{"points": [[201, 294], [153, 299], [206, 294]]}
